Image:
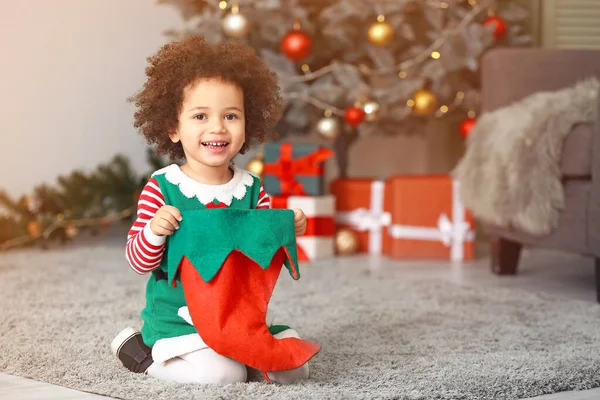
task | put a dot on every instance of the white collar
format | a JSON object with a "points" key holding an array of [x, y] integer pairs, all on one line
{"points": [[206, 194]]}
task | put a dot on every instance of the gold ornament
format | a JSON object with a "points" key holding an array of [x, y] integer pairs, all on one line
{"points": [[425, 102], [329, 128], [34, 229], [371, 109], [71, 231], [346, 242], [381, 32], [256, 166], [235, 24]]}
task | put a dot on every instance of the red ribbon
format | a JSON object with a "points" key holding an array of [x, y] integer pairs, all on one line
{"points": [[320, 226], [315, 226], [279, 201], [286, 168], [302, 256]]}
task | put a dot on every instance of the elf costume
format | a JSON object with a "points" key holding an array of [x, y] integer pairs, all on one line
{"points": [[217, 275]]}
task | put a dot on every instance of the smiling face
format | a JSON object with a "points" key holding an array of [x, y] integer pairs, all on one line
{"points": [[211, 125]]}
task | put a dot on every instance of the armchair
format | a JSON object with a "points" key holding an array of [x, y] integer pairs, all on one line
{"points": [[509, 75]]}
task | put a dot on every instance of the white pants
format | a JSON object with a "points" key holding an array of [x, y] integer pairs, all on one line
{"points": [[206, 366]]}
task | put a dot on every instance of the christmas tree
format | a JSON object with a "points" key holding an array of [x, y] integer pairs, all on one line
{"points": [[353, 68]]}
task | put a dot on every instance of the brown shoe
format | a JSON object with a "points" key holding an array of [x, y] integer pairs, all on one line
{"points": [[129, 347]]}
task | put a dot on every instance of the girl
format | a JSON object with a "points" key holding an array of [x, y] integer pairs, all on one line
{"points": [[204, 103]]}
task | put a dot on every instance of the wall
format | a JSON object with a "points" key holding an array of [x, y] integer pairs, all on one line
{"points": [[569, 24], [67, 68]]}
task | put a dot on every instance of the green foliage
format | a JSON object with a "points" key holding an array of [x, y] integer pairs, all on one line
{"points": [[111, 188]]}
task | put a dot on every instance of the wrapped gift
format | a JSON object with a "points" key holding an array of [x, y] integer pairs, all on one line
{"points": [[428, 219], [319, 240], [294, 169], [360, 207]]}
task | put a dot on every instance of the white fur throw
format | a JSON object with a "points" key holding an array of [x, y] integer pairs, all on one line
{"points": [[510, 174]]}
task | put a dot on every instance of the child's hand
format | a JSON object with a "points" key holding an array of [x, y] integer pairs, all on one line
{"points": [[299, 222], [165, 221]]}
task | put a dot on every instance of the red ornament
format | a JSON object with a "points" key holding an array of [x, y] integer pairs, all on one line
{"points": [[296, 45], [354, 116], [466, 126], [498, 24]]}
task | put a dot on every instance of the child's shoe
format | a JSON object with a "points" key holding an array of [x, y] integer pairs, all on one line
{"points": [[129, 347]]}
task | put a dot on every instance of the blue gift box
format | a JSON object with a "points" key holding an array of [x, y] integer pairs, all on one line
{"points": [[294, 169]]}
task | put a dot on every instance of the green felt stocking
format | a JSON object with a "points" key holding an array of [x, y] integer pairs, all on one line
{"points": [[229, 262]]}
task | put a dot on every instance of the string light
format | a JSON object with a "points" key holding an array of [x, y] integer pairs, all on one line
{"points": [[222, 5], [305, 68], [435, 55], [446, 108]]}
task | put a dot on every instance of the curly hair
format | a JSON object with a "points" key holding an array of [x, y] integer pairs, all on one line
{"points": [[179, 64]]}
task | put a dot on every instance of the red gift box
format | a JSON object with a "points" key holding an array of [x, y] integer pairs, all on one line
{"points": [[428, 219], [319, 239], [360, 207], [406, 217]]}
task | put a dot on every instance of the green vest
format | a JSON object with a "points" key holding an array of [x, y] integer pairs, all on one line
{"points": [[165, 296], [162, 299]]}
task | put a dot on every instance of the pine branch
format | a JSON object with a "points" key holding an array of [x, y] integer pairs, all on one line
{"points": [[119, 184], [9, 204], [82, 200], [49, 200]]}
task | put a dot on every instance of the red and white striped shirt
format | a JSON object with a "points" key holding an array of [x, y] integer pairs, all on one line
{"points": [[144, 249]]}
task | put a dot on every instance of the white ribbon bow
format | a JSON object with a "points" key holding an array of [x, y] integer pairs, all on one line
{"points": [[363, 219], [372, 220], [452, 232]]}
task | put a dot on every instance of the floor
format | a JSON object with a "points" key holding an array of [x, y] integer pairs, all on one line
{"points": [[17, 388], [568, 276]]}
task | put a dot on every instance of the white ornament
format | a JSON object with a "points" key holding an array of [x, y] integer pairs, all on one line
{"points": [[329, 128], [235, 25]]}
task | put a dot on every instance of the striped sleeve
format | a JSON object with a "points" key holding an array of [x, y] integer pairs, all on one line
{"points": [[264, 200], [144, 249]]}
